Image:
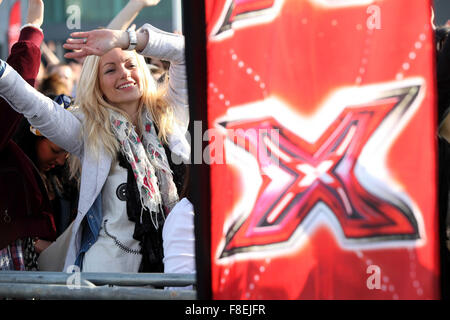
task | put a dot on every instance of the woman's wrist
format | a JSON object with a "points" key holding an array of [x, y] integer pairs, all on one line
{"points": [[142, 40], [139, 5], [123, 41], [33, 25]]}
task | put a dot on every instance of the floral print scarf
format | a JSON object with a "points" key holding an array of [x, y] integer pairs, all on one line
{"points": [[149, 163]]}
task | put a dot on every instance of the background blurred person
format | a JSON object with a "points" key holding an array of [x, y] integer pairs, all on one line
{"points": [[53, 85], [64, 73], [27, 197]]}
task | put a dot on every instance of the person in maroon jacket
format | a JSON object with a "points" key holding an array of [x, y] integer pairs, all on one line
{"points": [[27, 213]]}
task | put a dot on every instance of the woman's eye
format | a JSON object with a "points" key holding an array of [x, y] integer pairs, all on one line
{"points": [[109, 71]]}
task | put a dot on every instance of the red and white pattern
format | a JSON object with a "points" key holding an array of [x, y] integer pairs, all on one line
{"points": [[352, 183]]}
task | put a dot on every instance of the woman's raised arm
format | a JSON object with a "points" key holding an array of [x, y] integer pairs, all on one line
{"points": [[126, 16], [55, 123]]}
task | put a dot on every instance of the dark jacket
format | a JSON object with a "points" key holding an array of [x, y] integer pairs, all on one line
{"points": [[25, 209], [443, 86], [443, 72]]}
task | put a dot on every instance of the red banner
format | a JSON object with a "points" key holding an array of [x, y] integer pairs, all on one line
{"points": [[14, 25], [327, 113]]}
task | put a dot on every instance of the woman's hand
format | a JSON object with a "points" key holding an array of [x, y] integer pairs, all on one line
{"points": [[41, 245], [99, 42], [35, 12], [95, 42], [146, 3]]}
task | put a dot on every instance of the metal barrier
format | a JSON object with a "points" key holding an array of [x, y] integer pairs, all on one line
{"points": [[98, 286]]}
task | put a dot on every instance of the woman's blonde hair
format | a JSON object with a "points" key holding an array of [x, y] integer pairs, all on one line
{"points": [[92, 103]]}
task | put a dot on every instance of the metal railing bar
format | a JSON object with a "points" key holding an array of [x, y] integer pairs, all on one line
{"points": [[122, 279], [63, 292]]}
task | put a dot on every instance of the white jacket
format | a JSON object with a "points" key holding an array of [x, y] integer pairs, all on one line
{"points": [[64, 128]]}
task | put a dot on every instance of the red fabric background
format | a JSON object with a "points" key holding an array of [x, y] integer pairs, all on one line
{"points": [[301, 55]]}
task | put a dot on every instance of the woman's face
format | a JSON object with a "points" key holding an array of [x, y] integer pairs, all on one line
{"points": [[119, 78], [49, 155]]}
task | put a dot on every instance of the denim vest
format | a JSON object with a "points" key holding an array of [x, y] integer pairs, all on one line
{"points": [[91, 228], [2, 67]]}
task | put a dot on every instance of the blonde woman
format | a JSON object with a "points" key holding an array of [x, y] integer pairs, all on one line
{"points": [[119, 132]]}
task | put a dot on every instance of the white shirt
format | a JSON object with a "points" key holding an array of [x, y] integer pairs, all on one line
{"points": [[179, 240], [115, 249]]}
